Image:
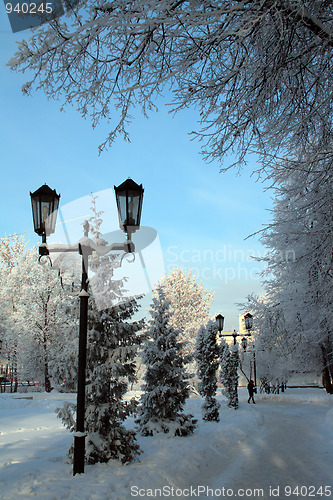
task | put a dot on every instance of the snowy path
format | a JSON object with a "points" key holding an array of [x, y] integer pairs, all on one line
{"points": [[284, 440], [290, 450]]}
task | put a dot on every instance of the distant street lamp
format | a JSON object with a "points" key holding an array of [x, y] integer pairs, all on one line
{"points": [[248, 318], [45, 202], [220, 322], [244, 344]]}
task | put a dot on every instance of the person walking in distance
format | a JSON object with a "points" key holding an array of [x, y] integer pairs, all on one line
{"points": [[250, 388]]}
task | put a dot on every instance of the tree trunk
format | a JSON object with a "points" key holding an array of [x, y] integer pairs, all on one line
{"points": [[48, 387], [47, 379], [47, 382], [327, 383], [329, 354]]}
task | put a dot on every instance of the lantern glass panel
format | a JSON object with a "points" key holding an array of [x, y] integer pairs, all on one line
{"points": [[36, 213], [122, 208], [133, 218]]}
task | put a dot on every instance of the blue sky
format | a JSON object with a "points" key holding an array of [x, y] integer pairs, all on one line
{"points": [[201, 215]]}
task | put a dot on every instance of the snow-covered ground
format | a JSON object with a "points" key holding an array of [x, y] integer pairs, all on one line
{"points": [[282, 447]]}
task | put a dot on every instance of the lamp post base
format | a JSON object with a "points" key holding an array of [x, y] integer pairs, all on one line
{"points": [[79, 452]]}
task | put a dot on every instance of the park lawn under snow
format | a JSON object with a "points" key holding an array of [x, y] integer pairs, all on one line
{"points": [[284, 440]]}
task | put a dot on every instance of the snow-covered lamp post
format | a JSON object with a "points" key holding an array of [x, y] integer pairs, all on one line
{"points": [[45, 203]]}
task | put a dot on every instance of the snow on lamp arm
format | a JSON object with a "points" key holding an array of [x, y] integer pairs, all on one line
{"points": [[45, 202]]}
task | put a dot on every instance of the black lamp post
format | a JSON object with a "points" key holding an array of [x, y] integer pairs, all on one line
{"points": [[45, 203]]}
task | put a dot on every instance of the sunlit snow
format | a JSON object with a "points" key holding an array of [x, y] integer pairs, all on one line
{"points": [[283, 441]]}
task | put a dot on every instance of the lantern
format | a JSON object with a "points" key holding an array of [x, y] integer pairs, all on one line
{"points": [[248, 318], [129, 197], [45, 202], [220, 320]]}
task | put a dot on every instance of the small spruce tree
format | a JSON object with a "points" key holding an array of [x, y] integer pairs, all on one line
{"points": [[229, 363], [233, 374], [166, 381], [113, 344], [224, 367], [111, 349], [207, 357]]}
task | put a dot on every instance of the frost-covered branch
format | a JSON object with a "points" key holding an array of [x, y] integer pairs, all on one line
{"points": [[259, 72]]}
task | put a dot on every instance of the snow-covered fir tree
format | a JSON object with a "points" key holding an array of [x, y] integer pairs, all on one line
{"points": [[229, 363], [207, 356], [233, 377], [166, 381], [224, 367], [112, 345], [111, 348]]}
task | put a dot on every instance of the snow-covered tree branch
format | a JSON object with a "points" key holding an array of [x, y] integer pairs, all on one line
{"points": [[258, 71]]}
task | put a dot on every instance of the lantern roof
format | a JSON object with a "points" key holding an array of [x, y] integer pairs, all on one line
{"points": [[45, 190], [129, 184]]}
